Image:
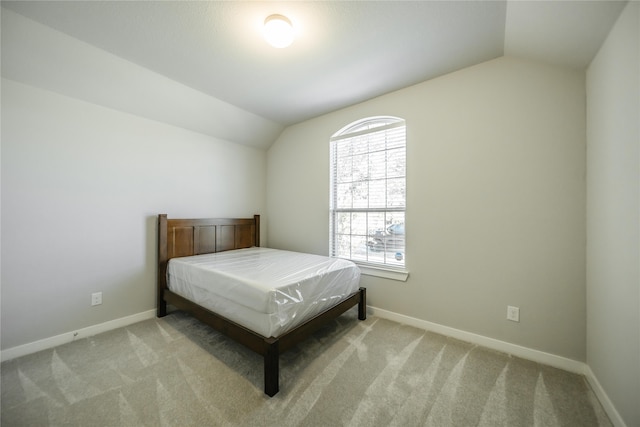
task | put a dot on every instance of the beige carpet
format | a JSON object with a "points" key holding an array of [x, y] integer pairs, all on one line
{"points": [[178, 372]]}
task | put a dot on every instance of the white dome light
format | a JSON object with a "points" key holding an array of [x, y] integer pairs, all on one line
{"points": [[278, 31]]}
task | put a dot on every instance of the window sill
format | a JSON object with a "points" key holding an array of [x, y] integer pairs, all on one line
{"points": [[398, 274]]}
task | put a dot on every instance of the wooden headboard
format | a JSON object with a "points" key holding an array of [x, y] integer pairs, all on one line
{"points": [[186, 237]]}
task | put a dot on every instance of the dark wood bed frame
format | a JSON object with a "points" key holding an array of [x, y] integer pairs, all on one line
{"points": [[186, 237]]}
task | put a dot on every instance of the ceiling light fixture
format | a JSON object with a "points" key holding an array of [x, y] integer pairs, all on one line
{"points": [[278, 31]]}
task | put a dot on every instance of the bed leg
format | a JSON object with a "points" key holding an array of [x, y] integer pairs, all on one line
{"points": [[162, 308], [271, 366], [362, 305]]}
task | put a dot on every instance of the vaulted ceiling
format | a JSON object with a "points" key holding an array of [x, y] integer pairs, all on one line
{"points": [[344, 52]]}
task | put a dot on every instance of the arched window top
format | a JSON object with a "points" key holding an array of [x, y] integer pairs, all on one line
{"points": [[366, 125]]}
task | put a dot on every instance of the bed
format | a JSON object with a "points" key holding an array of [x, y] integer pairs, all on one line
{"points": [[269, 317]]}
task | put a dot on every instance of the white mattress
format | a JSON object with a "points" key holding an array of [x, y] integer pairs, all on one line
{"points": [[269, 291]]}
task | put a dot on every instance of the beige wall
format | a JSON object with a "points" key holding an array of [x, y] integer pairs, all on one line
{"points": [[81, 188], [93, 149], [613, 212], [496, 201]]}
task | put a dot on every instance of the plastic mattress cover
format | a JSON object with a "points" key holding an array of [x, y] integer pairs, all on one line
{"points": [[269, 291]]}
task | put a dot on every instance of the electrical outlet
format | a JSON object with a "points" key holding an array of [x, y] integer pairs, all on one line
{"points": [[96, 298], [513, 313]]}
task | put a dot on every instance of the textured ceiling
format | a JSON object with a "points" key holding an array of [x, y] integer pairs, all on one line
{"points": [[344, 53]]}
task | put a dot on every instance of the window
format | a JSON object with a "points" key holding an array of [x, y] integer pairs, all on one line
{"points": [[368, 192]]}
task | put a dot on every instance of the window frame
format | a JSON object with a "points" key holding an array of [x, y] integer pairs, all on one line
{"points": [[357, 128]]}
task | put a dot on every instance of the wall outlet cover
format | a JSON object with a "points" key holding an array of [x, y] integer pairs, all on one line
{"points": [[513, 313], [96, 298]]}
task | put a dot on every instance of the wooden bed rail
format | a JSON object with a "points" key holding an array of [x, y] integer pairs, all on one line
{"points": [[270, 348]]}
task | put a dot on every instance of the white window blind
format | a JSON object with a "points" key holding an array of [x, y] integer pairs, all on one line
{"points": [[368, 192]]}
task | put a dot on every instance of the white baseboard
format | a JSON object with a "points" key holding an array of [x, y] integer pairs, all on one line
{"points": [[516, 350], [503, 346], [23, 350], [609, 408]]}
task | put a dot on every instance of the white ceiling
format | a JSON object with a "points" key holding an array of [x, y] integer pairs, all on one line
{"points": [[345, 52]]}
